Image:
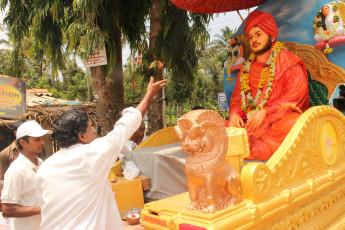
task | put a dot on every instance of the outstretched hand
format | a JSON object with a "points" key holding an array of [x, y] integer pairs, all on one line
{"points": [[256, 120], [154, 87]]}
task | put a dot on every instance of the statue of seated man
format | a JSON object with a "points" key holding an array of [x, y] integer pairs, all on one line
{"points": [[271, 89]]}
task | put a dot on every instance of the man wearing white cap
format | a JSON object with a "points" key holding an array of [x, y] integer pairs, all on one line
{"points": [[19, 199]]}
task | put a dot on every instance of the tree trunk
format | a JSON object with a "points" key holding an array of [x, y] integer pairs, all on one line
{"points": [[40, 70], [88, 85], [176, 111], [117, 74], [170, 112], [156, 113], [102, 90], [109, 92]]}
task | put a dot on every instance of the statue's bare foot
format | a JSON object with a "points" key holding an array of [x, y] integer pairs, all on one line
{"points": [[210, 209], [192, 206]]}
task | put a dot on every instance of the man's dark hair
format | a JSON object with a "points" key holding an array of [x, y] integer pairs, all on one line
{"points": [[236, 43], [68, 126], [197, 107], [19, 146], [323, 18], [17, 124]]}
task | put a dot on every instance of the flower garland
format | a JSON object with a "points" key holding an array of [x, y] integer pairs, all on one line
{"points": [[249, 107], [325, 36]]}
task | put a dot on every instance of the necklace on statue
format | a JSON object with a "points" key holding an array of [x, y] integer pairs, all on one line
{"points": [[249, 103]]}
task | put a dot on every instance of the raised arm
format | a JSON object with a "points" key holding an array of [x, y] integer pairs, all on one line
{"points": [[152, 89]]}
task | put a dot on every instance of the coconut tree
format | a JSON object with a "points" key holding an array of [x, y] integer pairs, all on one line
{"points": [[173, 36], [81, 27], [222, 40]]}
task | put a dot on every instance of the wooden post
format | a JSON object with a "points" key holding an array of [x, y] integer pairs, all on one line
{"points": [[238, 12]]}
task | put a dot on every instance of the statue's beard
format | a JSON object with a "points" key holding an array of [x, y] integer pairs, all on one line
{"points": [[266, 48]]}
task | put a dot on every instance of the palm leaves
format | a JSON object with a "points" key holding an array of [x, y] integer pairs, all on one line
{"points": [[222, 40]]}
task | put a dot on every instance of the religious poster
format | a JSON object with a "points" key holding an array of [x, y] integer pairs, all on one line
{"points": [[329, 27], [12, 97]]}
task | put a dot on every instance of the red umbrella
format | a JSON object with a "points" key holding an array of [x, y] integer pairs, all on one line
{"points": [[216, 6]]}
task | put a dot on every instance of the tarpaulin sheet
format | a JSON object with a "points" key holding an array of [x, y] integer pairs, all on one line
{"points": [[165, 167]]}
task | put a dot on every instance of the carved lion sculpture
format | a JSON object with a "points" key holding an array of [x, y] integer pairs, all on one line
{"points": [[212, 182]]}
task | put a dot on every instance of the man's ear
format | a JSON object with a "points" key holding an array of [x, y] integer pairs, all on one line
{"points": [[273, 39], [81, 138], [23, 143]]}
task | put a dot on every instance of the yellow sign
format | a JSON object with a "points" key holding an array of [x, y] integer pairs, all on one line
{"points": [[12, 97], [329, 143], [9, 96]]}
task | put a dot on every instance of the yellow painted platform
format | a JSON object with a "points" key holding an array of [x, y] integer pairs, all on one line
{"points": [[301, 187], [129, 194], [161, 137]]}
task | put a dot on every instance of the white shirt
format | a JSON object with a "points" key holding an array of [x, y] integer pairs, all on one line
{"points": [[19, 189], [130, 146], [74, 181]]}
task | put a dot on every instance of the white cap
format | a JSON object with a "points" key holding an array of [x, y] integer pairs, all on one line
{"points": [[31, 129]]}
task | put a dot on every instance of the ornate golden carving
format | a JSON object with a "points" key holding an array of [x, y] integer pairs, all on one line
{"points": [[302, 216], [298, 159], [212, 182], [319, 67]]}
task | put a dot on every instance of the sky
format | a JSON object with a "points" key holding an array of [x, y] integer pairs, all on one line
{"points": [[230, 19]]}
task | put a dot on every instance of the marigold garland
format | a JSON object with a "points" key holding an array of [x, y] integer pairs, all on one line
{"points": [[249, 104]]}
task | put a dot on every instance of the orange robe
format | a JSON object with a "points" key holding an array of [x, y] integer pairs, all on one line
{"points": [[290, 86]]}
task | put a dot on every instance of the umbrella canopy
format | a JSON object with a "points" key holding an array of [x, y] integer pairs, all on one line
{"points": [[216, 6]]}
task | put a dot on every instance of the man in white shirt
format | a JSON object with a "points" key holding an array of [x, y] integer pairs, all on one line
{"points": [[19, 198], [74, 181]]}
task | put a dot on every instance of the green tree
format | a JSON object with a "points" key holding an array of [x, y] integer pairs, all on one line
{"points": [[83, 26], [172, 41], [5, 62], [212, 66], [86, 25], [222, 40], [134, 94]]}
